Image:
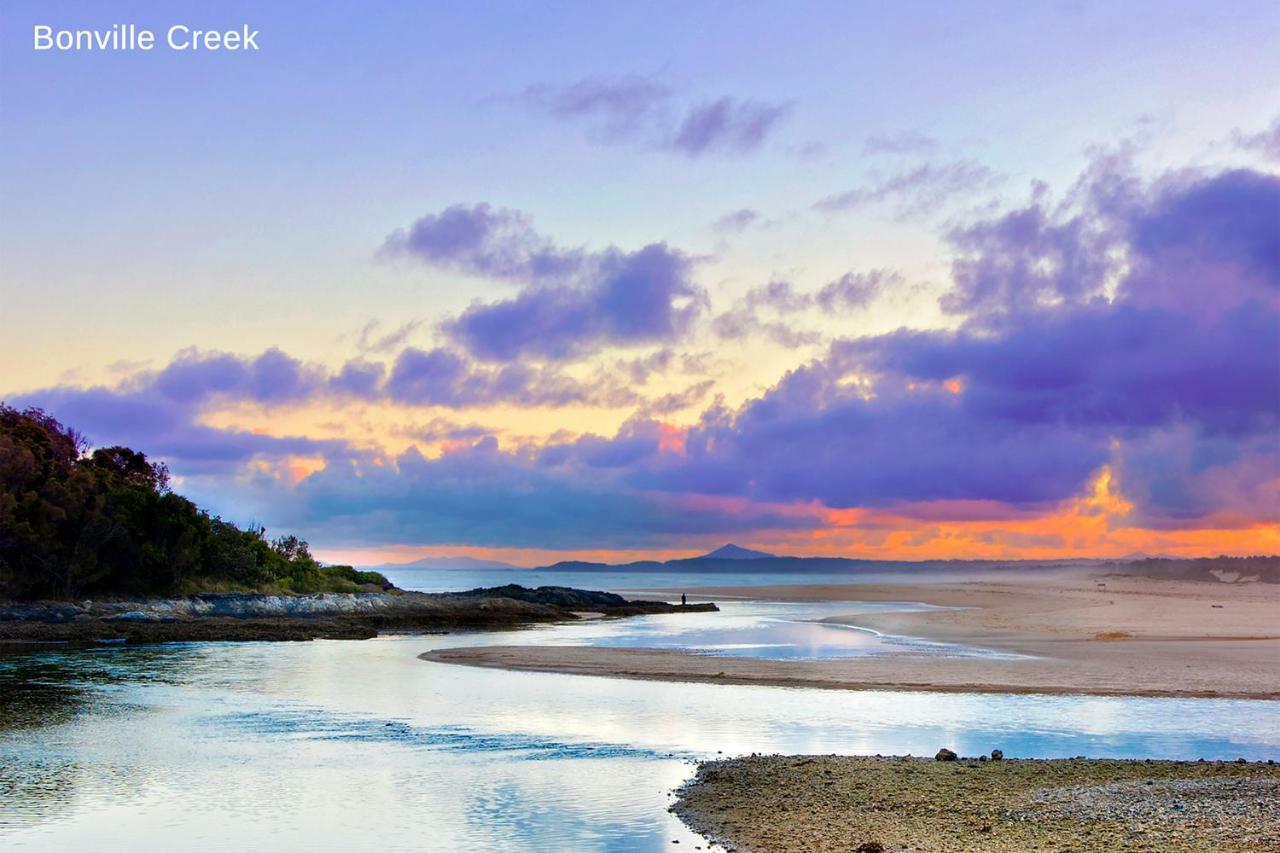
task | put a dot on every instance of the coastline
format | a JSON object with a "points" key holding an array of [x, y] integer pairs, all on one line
{"points": [[332, 616], [1135, 637]]}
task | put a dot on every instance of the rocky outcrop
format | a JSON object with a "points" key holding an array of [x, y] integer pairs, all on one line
{"points": [[299, 617]]}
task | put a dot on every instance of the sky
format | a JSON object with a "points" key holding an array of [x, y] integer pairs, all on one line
{"points": [[613, 281]]}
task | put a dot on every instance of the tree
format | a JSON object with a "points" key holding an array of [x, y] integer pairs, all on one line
{"points": [[73, 524]]}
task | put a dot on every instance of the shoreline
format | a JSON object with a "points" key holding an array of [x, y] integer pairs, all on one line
{"points": [[332, 616], [684, 667], [891, 803], [1069, 635]]}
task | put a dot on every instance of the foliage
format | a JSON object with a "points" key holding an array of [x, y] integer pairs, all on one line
{"points": [[74, 523]]}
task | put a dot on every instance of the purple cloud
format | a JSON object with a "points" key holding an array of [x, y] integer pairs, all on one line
{"points": [[736, 220], [1180, 363], [167, 428], [622, 106], [358, 378], [727, 124], [481, 240], [850, 292], [441, 377], [641, 111], [916, 192], [678, 401], [625, 299], [1027, 260], [483, 496], [372, 341], [1139, 328]]}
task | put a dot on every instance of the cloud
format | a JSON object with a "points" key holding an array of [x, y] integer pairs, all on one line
{"points": [[480, 495], [482, 240], [622, 299], [161, 411], [1265, 142], [1132, 329], [639, 369], [914, 192], [678, 401], [736, 220], [272, 377], [727, 125], [850, 292], [623, 105], [1142, 334], [168, 428], [1026, 260], [359, 379], [904, 142], [370, 341], [441, 377], [573, 301], [640, 111]]}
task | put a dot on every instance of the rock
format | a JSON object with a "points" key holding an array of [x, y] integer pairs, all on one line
{"points": [[997, 755], [869, 847], [945, 754], [131, 616]]}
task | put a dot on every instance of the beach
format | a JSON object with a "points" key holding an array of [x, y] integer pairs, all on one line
{"points": [[1066, 633]]}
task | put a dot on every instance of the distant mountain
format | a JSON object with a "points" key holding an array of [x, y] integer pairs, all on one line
{"points": [[733, 552], [449, 563], [731, 559], [1143, 555]]}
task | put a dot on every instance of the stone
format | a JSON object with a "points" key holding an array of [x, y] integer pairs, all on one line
{"points": [[945, 754], [869, 847], [997, 755]]}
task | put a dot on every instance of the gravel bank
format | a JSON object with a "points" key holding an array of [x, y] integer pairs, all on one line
{"points": [[788, 803]]}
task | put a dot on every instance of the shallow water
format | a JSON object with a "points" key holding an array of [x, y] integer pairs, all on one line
{"points": [[769, 630], [361, 746]]}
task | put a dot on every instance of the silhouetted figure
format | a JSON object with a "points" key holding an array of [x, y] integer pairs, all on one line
{"points": [[683, 600]]}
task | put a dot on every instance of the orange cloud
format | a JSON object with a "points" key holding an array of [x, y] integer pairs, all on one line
{"points": [[1094, 524]]}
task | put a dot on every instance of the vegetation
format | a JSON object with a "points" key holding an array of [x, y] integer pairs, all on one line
{"points": [[74, 523]]}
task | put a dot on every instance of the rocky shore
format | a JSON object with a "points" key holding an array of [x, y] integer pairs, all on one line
{"points": [[346, 616], [872, 805]]}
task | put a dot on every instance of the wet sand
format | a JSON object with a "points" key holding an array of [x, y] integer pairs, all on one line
{"points": [[1135, 636]]}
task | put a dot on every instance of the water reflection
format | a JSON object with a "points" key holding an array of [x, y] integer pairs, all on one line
{"points": [[774, 631]]}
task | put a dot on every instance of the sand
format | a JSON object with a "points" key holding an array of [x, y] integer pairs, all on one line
{"points": [[830, 803], [1133, 636]]}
